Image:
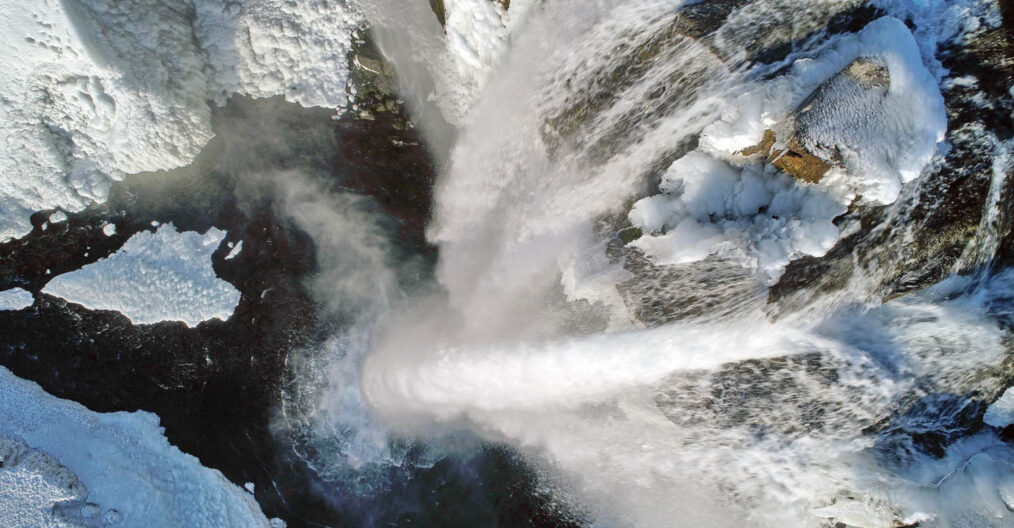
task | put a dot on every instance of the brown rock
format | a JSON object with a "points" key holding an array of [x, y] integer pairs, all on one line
{"points": [[798, 163], [793, 159]]}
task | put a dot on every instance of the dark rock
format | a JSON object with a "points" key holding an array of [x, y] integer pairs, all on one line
{"points": [[438, 9]]}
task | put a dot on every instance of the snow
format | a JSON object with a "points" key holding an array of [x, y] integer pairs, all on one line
{"points": [[1001, 412], [235, 250], [160, 276], [109, 229], [713, 201], [120, 463], [57, 217], [15, 299], [265, 48], [93, 92]]}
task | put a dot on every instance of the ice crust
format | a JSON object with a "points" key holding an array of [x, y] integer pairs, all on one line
{"points": [[160, 276], [120, 463], [94, 90]]}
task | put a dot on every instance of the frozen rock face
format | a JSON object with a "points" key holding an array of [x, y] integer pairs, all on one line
{"points": [[93, 90], [161, 276], [809, 143]]}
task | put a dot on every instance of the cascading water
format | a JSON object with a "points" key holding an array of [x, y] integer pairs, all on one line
{"points": [[607, 242]]}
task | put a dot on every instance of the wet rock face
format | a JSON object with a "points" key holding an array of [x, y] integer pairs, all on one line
{"points": [[381, 153]]}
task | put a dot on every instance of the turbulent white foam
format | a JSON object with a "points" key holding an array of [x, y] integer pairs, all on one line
{"points": [[131, 474], [15, 299], [450, 383], [160, 276]]}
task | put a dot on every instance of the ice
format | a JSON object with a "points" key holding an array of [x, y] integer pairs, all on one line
{"points": [[15, 299], [160, 276], [109, 229], [234, 251], [127, 471], [57, 217], [93, 90], [1001, 412]]}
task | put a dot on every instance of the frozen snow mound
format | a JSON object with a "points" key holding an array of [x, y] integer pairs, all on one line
{"points": [[875, 135], [15, 299], [160, 276], [63, 465], [93, 90], [265, 48]]}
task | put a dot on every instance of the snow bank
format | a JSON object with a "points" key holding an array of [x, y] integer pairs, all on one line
{"points": [[15, 299], [476, 40], [160, 276], [121, 464], [265, 48], [715, 201], [92, 90]]}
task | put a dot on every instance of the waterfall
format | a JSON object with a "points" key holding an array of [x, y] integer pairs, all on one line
{"points": [[609, 225]]}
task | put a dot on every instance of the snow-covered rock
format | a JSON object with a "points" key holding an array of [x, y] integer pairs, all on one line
{"points": [[476, 41], [63, 465], [160, 276], [15, 299]]}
